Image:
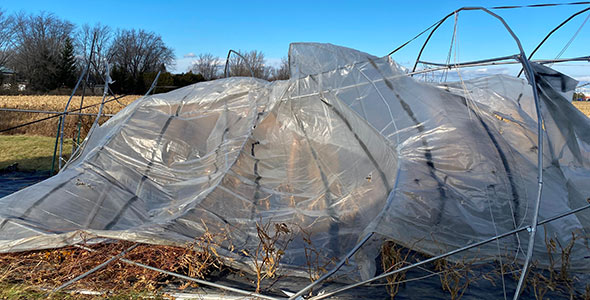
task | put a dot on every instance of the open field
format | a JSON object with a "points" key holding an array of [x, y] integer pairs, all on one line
{"points": [[53, 103], [583, 106], [31, 153]]}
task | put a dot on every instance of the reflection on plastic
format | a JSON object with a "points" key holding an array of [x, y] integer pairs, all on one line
{"points": [[348, 146]]}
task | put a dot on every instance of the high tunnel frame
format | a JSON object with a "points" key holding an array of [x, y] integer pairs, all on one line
{"points": [[532, 228]]}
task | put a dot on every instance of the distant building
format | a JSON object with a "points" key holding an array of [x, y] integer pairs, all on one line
{"points": [[6, 71], [8, 79]]}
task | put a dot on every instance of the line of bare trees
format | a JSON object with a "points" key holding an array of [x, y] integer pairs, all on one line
{"points": [[48, 53], [251, 63]]}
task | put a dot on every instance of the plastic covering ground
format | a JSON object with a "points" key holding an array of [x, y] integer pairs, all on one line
{"points": [[11, 182], [348, 146]]}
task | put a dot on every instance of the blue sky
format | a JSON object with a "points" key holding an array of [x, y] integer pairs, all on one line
{"points": [[376, 27]]}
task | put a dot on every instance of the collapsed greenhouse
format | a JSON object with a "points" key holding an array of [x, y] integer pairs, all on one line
{"points": [[349, 152]]}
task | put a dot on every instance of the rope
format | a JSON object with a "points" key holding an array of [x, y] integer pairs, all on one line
{"points": [[445, 72]]}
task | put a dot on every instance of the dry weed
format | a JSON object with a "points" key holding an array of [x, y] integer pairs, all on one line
{"points": [[393, 257], [455, 277], [270, 250], [315, 262], [555, 278], [51, 268]]}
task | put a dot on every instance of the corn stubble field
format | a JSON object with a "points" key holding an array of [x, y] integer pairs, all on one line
{"points": [[54, 103], [57, 103], [583, 106]]}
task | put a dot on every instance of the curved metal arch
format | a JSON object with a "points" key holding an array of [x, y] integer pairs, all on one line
{"points": [[468, 8], [226, 68], [531, 79], [532, 228]]}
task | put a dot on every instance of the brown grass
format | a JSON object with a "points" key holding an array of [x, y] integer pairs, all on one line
{"points": [[583, 106], [53, 103], [48, 269]]}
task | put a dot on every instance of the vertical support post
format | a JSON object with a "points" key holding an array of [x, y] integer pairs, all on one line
{"points": [[77, 140], [154, 84], [61, 128], [106, 89], [533, 232], [104, 95], [55, 147], [530, 74]]}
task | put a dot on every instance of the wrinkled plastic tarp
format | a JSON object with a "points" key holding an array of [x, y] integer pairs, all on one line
{"points": [[348, 146]]}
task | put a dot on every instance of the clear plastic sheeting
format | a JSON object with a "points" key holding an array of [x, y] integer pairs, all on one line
{"points": [[348, 146]]}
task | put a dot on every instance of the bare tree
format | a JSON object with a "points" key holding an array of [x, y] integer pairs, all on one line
{"points": [[39, 41], [138, 51], [282, 72], [254, 60], [102, 36], [207, 65], [6, 35]]}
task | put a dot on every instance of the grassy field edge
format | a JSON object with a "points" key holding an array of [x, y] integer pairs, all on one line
{"points": [[29, 152]]}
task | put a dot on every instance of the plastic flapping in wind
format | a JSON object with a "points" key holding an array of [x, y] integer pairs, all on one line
{"points": [[348, 146]]}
